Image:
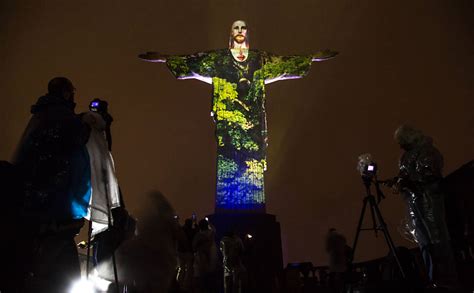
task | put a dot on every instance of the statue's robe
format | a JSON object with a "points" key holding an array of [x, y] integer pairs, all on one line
{"points": [[238, 108]]}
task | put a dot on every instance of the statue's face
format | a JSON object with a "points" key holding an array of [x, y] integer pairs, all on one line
{"points": [[239, 31]]}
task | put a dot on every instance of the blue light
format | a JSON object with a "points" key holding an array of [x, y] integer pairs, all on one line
{"points": [[81, 191]]}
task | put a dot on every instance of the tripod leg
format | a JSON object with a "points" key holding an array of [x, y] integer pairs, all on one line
{"points": [[89, 240], [374, 222], [114, 263], [388, 239], [361, 219], [109, 219]]}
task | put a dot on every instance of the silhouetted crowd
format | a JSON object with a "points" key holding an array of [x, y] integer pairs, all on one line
{"points": [[199, 261], [197, 257]]}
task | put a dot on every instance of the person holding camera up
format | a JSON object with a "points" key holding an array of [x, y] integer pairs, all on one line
{"points": [[419, 182], [105, 191], [111, 224]]}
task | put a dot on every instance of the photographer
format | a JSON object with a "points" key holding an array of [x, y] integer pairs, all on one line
{"points": [[53, 165], [419, 179], [111, 223], [103, 180]]}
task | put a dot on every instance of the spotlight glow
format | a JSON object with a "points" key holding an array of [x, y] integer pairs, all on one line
{"points": [[82, 286]]}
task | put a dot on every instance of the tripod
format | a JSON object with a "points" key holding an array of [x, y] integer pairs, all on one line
{"points": [[378, 224]]}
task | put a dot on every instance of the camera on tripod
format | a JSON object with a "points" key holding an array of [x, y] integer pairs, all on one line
{"points": [[367, 167], [368, 171]]}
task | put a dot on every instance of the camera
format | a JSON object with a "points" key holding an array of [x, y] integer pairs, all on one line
{"points": [[99, 106], [367, 166], [370, 170], [102, 107]]}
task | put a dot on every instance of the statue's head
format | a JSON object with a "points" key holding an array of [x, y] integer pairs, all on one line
{"points": [[239, 35]]}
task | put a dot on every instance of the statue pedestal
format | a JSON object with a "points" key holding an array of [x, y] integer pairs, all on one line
{"points": [[261, 235]]}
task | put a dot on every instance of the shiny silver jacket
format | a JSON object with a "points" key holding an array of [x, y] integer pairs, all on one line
{"points": [[420, 184]]}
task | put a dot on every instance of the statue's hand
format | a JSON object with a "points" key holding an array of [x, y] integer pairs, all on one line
{"points": [[324, 55], [153, 57]]}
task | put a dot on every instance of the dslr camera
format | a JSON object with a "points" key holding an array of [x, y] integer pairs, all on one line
{"points": [[366, 166]]}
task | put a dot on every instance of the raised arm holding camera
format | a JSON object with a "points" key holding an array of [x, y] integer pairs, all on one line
{"points": [[105, 196], [111, 223]]}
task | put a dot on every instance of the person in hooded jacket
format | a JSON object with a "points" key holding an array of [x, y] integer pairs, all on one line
{"points": [[419, 182], [53, 163], [205, 257], [235, 274]]}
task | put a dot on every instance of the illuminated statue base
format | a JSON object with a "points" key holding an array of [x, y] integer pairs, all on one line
{"points": [[261, 235]]}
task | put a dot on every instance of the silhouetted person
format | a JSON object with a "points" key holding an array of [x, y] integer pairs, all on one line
{"points": [[147, 262], [53, 162], [232, 249], [111, 223], [185, 256], [205, 258], [11, 227], [339, 258], [106, 196], [190, 229], [419, 182]]}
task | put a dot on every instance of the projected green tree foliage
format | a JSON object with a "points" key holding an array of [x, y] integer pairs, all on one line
{"points": [[238, 76]]}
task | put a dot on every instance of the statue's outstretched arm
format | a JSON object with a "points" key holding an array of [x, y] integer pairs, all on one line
{"points": [[324, 55], [153, 57], [184, 66], [278, 68]]}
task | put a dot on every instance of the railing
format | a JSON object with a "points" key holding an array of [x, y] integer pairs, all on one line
{"points": [[380, 272]]}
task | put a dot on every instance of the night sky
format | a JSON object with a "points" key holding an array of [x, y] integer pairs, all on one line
{"points": [[400, 62]]}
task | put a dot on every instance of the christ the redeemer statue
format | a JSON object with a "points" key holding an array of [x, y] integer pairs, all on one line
{"points": [[238, 76]]}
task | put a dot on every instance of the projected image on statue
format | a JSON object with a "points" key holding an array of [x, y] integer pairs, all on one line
{"points": [[238, 76]]}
